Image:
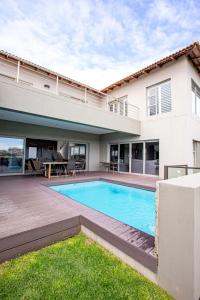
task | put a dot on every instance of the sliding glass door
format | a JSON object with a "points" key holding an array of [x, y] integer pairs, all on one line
{"points": [[152, 158], [11, 155], [137, 158], [114, 156], [124, 158], [145, 158]]}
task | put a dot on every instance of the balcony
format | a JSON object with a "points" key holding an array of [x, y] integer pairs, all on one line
{"points": [[63, 104]]}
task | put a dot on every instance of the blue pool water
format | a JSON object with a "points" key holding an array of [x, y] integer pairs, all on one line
{"points": [[132, 206]]}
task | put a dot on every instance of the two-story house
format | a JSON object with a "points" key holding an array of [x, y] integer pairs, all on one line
{"points": [[141, 123]]}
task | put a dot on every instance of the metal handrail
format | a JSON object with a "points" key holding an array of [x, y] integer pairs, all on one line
{"points": [[128, 111]]}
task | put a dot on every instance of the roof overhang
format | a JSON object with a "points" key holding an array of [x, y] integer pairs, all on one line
{"points": [[192, 52]]}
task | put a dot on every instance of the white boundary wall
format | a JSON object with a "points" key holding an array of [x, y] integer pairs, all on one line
{"points": [[179, 237]]}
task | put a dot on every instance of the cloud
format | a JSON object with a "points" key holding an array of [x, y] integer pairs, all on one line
{"points": [[97, 41]]}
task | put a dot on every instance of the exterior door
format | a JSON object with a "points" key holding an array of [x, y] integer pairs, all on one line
{"points": [[114, 156], [152, 158], [124, 158]]}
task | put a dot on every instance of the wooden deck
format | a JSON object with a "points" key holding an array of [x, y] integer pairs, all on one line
{"points": [[32, 216]]}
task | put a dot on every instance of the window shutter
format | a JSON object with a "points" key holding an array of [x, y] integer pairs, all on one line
{"points": [[165, 94]]}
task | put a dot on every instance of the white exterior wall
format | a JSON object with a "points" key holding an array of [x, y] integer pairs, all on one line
{"points": [[22, 130], [175, 130]]}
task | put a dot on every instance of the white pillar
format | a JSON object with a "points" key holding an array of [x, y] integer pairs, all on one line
{"points": [[107, 102], [18, 69]]}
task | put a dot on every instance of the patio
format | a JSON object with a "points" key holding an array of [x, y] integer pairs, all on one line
{"points": [[32, 216]]}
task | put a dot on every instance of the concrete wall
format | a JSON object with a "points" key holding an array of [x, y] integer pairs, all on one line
{"points": [[179, 237], [175, 130], [41, 132]]}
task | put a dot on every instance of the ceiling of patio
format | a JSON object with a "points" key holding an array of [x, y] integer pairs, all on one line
{"points": [[37, 120]]}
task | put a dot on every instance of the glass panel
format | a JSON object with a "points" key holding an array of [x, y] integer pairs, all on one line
{"points": [[114, 153], [137, 158], [114, 150], [193, 171], [152, 158], [11, 155], [174, 172], [124, 158], [77, 151]]}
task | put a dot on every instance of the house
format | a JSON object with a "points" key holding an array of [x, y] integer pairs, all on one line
{"points": [[141, 123]]}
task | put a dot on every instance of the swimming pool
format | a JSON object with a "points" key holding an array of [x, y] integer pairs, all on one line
{"points": [[132, 206]]}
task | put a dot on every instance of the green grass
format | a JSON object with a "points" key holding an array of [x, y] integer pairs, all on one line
{"points": [[76, 268]]}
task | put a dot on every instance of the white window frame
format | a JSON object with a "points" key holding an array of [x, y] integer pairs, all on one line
{"points": [[196, 92], [158, 99]]}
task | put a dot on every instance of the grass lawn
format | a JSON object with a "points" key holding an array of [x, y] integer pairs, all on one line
{"points": [[76, 268]]}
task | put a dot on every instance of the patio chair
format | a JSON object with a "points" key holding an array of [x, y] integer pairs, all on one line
{"points": [[71, 167], [80, 167]]}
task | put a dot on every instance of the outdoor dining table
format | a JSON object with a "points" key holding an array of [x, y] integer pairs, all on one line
{"points": [[48, 165]]}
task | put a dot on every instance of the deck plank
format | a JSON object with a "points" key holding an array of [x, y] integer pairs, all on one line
{"points": [[30, 214]]}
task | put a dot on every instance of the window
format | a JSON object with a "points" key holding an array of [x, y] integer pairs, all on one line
{"points": [[120, 105], [11, 155], [195, 98], [77, 151], [159, 98]]}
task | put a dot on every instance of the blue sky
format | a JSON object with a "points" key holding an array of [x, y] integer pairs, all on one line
{"points": [[94, 41], [6, 143]]}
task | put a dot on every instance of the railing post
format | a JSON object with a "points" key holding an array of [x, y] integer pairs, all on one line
{"points": [[186, 170], [18, 69], [57, 85], [107, 102], [124, 107], [85, 95], [165, 172]]}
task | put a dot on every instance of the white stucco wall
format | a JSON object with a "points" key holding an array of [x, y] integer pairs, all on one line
{"points": [[179, 236], [175, 130]]}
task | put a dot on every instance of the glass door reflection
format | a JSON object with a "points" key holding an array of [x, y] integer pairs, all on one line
{"points": [[137, 158], [152, 158], [114, 155], [11, 155], [124, 158]]}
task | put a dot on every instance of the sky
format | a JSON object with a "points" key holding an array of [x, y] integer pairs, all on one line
{"points": [[97, 42], [6, 143]]}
